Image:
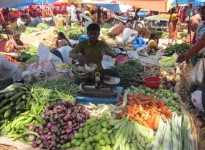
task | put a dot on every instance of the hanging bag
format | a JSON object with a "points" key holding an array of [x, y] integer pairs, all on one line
{"points": [[198, 72]]}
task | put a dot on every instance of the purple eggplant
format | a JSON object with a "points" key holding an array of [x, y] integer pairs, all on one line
{"points": [[48, 125], [34, 145], [32, 127], [31, 137], [70, 136], [68, 131], [41, 146], [54, 128], [43, 115]]}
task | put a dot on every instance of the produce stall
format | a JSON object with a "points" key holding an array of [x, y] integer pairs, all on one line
{"points": [[138, 105], [48, 116], [160, 22]]}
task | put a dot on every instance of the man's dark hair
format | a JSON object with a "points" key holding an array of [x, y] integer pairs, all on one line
{"points": [[93, 27]]}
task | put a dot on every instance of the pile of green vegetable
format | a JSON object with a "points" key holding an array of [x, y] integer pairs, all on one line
{"points": [[177, 48], [32, 50], [174, 134], [13, 101], [107, 134], [166, 95], [38, 28], [129, 70], [168, 62], [75, 31], [106, 25], [52, 89], [32, 60]]}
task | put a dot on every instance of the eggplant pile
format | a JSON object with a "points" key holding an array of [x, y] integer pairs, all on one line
{"points": [[62, 120]]}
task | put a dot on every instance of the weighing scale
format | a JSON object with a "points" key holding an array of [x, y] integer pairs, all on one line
{"points": [[100, 90]]}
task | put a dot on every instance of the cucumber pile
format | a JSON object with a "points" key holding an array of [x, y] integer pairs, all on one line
{"points": [[108, 134], [13, 102]]}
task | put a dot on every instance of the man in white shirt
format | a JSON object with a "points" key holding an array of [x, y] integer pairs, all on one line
{"points": [[9, 73], [21, 21]]}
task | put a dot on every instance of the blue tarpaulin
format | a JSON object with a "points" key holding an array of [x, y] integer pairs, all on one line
{"points": [[183, 2], [186, 2], [22, 3], [116, 7]]}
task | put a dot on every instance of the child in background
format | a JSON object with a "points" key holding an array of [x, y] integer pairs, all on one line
{"points": [[153, 42]]}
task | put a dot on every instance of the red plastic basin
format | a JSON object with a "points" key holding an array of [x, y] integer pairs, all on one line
{"points": [[152, 82]]}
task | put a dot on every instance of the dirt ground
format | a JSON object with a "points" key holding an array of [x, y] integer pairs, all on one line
{"points": [[34, 38]]}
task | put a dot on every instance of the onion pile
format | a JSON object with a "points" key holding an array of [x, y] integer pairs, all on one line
{"points": [[62, 120]]}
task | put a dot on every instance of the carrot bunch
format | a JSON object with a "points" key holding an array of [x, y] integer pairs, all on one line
{"points": [[146, 110]]}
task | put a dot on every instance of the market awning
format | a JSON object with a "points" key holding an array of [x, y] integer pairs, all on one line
{"points": [[116, 7], [22, 3], [155, 5], [183, 2], [8, 3]]}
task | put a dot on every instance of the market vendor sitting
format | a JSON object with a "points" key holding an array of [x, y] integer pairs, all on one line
{"points": [[15, 44], [153, 42], [9, 73], [129, 34], [62, 40], [92, 50]]}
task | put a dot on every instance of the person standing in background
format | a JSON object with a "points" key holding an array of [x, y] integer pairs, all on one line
{"points": [[189, 10], [73, 13], [85, 19], [68, 8], [173, 26], [98, 15], [105, 14]]}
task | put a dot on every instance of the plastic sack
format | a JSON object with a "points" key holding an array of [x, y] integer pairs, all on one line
{"points": [[65, 51], [139, 42], [198, 72], [133, 54], [108, 62], [196, 98], [116, 29], [121, 59], [48, 62], [33, 69]]}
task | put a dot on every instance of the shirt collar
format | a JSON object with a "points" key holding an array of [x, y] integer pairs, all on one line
{"points": [[89, 44]]}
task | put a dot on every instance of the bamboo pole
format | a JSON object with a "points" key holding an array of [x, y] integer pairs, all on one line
{"points": [[2, 16], [189, 24], [51, 11]]}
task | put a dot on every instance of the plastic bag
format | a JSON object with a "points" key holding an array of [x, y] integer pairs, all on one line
{"points": [[196, 98], [139, 42], [133, 54], [198, 72], [116, 29], [108, 62], [48, 62], [65, 51]]}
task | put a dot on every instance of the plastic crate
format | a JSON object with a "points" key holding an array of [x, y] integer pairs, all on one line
{"points": [[97, 100], [82, 37]]}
